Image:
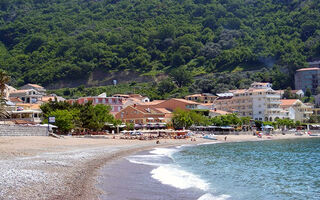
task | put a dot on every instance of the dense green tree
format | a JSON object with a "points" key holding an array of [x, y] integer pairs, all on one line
{"points": [[308, 93], [55, 43], [64, 120], [181, 76], [166, 86]]}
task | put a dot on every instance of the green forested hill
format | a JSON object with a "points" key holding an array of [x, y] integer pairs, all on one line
{"points": [[44, 41]]}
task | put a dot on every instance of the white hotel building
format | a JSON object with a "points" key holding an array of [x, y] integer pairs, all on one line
{"points": [[260, 102]]}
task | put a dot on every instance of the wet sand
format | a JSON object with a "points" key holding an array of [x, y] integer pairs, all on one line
{"points": [[49, 168]]}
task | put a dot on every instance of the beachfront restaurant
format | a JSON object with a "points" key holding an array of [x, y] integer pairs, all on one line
{"points": [[27, 115], [217, 130], [150, 126]]}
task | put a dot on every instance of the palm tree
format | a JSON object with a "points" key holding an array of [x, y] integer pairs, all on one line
{"points": [[4, 79]]}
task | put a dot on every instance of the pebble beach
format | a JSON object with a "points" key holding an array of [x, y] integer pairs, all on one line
{"points": [[50, 168]]}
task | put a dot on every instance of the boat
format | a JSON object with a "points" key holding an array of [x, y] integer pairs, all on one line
{"points": [[209, 137], [314, 134]]}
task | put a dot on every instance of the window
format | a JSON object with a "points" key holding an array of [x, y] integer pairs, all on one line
{"points": [[260, 112]]}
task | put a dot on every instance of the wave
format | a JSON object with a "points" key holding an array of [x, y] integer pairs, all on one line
{"points": [[157, 157], [167, 172], [165, 151], [152, 160], [209, 196], [174, 176]]}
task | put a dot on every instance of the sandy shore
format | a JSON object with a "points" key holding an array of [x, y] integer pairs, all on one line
{"points": [[49, 168]]}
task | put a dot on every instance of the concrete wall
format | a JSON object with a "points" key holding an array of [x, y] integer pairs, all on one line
{"points": [[16, 130]]}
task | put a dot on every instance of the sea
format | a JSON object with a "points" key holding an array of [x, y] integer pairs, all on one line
{"points": [[266, 170]]}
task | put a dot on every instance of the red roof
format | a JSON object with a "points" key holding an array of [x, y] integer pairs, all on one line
{"points": [[308, 69], [288, 102]]}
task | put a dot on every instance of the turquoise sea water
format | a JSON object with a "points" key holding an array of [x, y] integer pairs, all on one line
{"points": [[284, 169], [264, 170]]}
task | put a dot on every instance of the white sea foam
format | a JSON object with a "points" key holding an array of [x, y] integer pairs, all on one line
{"points": [[209, 196], [155, 157], [164, 151], [174, 176], [207, 143], [145, 160]]}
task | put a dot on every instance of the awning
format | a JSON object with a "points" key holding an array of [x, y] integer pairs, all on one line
{"points": [[150, 118]]}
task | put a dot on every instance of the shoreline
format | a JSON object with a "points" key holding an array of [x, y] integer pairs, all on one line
{"points": [[49, 168]]}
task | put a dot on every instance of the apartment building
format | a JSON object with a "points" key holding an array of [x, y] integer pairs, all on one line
{"points": [[307, 78], [202, 98], [36, 87], [259, 102], [296, 110], [27, 96], [115, 103], [145, 115]]}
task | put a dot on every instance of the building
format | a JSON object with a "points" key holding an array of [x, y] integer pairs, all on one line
{"points": [[135, 97], [27, 96], [202, 98], [297, 93], [8, 89], [132, 99], [215, 113], [36, 87], [173, 104], [145, 115], [296, 110], [307, 78], [25, 111], [259, 102], [317, 100], [52, 97], [115, 103], [314, 64]]}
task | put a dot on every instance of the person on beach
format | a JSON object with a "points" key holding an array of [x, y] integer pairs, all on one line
{"points": [[225, 138], [158, 142]]}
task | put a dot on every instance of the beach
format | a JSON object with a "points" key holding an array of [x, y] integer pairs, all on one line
{"points": [[50, 168]]}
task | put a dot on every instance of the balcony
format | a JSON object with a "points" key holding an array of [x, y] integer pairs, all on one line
{"points": [[273, 109], [273, 96]]}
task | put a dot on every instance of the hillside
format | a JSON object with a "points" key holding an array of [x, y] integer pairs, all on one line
{"points": [[56, 42]]}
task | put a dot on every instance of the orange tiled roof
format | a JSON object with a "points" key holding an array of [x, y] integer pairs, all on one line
{"points": [[164, 110], [260, 83], [15, 99], [288, 102], [221, 112], [29, 105], [187, 101], [35, 85], [155, 102], [47, 99], [194, 95], [308, 69], [19, 91]]}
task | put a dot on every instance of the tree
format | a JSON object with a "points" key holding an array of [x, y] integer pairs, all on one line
{"points": [[166, 86], [287, 93], [64, 120], [181, 76], [102, 115], [181, 119], [308, 93]]}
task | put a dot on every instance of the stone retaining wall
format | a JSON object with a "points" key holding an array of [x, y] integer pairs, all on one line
{"points": [[17, 130]]}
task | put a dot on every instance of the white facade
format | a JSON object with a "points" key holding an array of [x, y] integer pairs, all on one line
{"points": [[259, 102]]}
